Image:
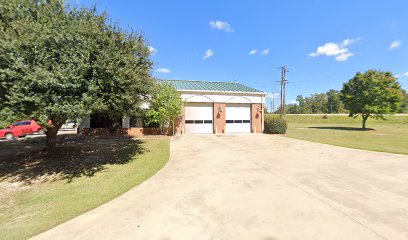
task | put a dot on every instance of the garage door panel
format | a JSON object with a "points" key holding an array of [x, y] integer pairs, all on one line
{"points": [[198, 118], [238, 118]]}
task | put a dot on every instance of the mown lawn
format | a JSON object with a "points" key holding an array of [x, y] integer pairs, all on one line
{"points": [[41, 190], [390, 135]]}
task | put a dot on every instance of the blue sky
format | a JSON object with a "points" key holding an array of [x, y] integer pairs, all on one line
{"points": [[323, 43]]}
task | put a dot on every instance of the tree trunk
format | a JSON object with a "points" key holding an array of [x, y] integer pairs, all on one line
{"points": [[365, 117], [51, 138], [173, 128]]}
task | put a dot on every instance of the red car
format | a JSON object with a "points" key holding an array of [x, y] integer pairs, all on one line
{"points": [[20, 129]]}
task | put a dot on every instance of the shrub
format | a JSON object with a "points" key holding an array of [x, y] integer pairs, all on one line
{"points": [[275, 125]]}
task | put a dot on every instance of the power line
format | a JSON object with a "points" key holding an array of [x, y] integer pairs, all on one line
{"points": [[272, 97], [283, 82]]}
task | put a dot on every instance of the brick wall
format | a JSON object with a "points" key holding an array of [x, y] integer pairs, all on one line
{"points": [[219, 118], [134, 132], [256, 117]]}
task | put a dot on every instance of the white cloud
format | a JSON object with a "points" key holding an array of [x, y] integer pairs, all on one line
{"points": [[152, 50], [402, 75], [339, 51], [209, 53], [293, 102], [265, 52], [164, 70], [221, 25], [348, 41], [394, 45], [343, 57], [253, 52]]}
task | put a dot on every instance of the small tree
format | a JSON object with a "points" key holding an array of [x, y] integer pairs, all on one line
{"points": [[165, 107], [371, 94]]}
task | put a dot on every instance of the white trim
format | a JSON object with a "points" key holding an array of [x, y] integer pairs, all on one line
{"points": [[221, 98], [228, 92], [229, 100], [186, 100]]}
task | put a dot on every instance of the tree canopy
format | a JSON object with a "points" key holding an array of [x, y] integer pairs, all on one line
{"points": [[372, 94], [404, 103], [59, 63], [328, 102], [165, 107]]}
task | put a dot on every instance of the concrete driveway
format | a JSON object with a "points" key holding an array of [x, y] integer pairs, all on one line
{"points": [[257, 186]]}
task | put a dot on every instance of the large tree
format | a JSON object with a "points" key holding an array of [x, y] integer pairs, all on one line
{"points": [[59, 63], [371, 94]]}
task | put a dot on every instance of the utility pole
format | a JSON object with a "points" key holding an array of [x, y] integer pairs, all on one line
{"points": [[273, 101], [283, 82]]}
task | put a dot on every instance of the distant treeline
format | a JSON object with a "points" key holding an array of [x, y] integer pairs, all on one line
{"points": [[329, 102]]}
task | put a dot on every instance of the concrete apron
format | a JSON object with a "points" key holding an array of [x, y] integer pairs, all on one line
{"points": [[255, 186]]}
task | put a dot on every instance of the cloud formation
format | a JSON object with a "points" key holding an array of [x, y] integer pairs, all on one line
{"points": [[221, 25], [339, 51], [152, 50], [253, 52], [265, 52], [394, 45], [164, 70], [209, 53], [402, 75]]}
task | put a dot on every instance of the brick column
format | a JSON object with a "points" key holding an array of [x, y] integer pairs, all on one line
{"points": [[179, 125], [256, 117], [219, 118]]}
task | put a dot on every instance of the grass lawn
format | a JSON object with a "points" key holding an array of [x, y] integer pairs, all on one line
{"points": [[389, 135], [41, 190]]}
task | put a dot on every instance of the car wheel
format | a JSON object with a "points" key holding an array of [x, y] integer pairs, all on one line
{"points": [[9, 137]]}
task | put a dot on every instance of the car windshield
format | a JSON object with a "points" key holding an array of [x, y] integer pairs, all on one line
{"points": [[22, 123]]}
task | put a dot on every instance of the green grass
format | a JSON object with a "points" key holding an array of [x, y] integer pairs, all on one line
{"points": [[389, 135], [79, 177]]}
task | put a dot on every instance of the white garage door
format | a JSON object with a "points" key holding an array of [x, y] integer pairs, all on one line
{"points": [[238, 118], [198, 118]]}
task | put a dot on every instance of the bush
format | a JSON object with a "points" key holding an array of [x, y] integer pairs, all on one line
{"points": [[275, 125]]}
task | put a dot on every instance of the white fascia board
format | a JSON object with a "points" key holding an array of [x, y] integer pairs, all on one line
{"points": [[221, 98], [221, 92]]}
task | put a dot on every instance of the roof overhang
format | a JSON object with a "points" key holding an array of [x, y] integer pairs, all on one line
{"points": [[221, 92]]}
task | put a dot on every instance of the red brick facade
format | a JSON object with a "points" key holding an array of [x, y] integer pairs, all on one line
{"points": [[256, 118], [219, 118], [218, 124]]}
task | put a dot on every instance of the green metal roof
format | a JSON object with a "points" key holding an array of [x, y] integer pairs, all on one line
{"points": [[190, 85]]}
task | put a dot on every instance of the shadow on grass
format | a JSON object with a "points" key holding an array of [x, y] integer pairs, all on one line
{"points": [[345, 128], [71, 159]]}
